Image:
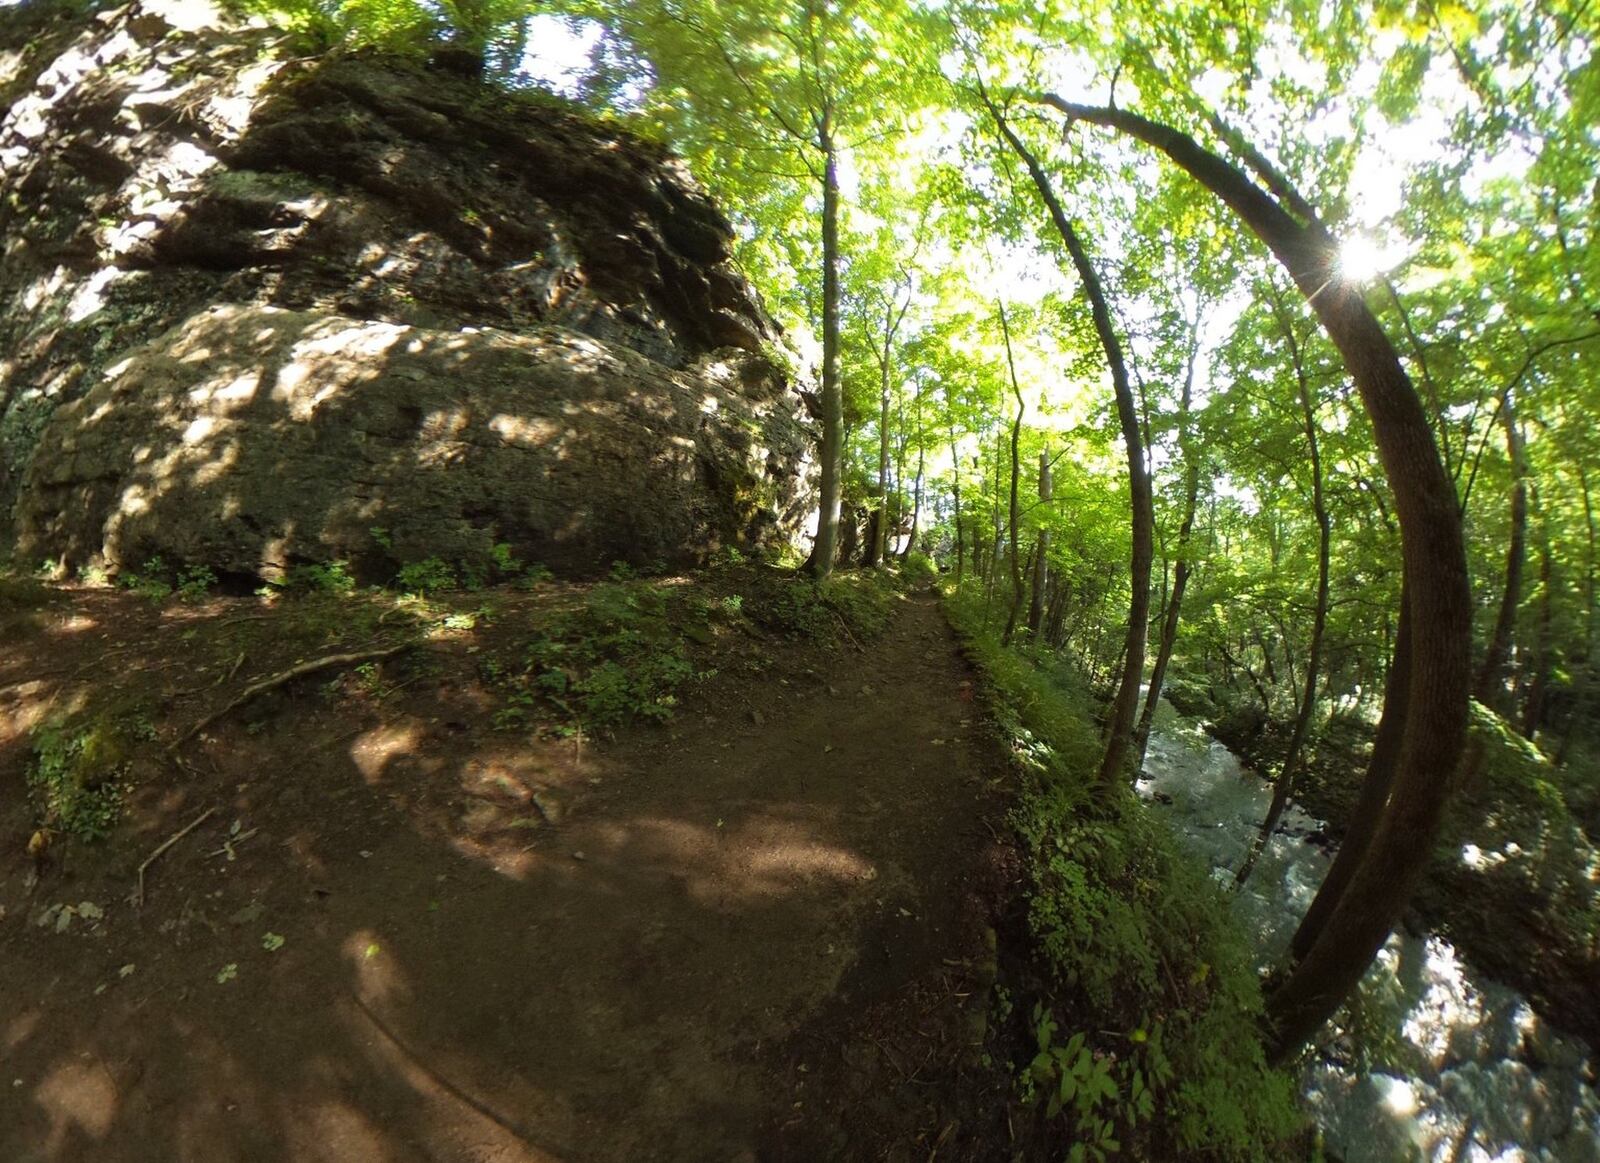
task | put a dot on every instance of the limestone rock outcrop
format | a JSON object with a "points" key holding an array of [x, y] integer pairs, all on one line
{"points": [[253, 307]]}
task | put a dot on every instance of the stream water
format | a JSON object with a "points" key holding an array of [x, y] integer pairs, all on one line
{"points": [[1435, 1063]]}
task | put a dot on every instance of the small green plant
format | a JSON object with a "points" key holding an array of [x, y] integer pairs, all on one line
{"points": [[150, 582], [919, 569], [504, 560], [532, 574], [330, 577], [79, 773], [428, 576], [369, 679], [381, 536], [1073, 1077], [195, 582], [464, 619], [621, 571], [619, 658]]}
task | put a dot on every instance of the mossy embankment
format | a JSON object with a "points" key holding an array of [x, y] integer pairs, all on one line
{"points": [[1127, 999]]}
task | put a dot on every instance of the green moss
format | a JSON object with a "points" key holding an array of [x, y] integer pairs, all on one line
{"points": [[79, 774]]}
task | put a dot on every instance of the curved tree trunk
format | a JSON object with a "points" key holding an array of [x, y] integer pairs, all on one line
{"points": [[1374, 796], [1436, 584], [1119, 728]]}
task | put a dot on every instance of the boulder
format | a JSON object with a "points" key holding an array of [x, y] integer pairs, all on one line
{"points": [[254, 438], [160, 159]]}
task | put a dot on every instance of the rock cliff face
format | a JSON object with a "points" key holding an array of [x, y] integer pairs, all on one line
{"points": [[252, 309]]}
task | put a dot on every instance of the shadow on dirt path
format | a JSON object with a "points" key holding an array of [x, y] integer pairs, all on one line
{"points": [[425, 940]]}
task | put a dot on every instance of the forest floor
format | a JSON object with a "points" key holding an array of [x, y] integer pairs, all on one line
{"points": [[760, 930]]}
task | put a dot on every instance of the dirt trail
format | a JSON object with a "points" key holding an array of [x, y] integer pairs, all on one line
{"points": [[500, 951]]}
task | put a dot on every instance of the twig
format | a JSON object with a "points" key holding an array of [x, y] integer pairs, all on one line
{"points": [[888, 1057], [168, 843], [216, 682], [298, 671], [838, 618], [232, 840]]}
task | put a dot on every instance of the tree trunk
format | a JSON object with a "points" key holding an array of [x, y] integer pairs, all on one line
{"points": [[832, 453], [1539, 676], [1119, 733], [1055, 621], [992, 574], [1041, 564], [881, 528], [955, 467], [1016, 472], [1374, 795], [1436, 585], [1284, 788], [916, 492], [1591, 627], [1489, 688], [1180, 572]]}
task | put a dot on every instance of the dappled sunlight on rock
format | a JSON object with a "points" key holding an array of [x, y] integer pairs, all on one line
{"points": [[259, 436]]}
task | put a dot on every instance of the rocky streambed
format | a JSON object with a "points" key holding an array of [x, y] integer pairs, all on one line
{"points": [[1432, 1061]]}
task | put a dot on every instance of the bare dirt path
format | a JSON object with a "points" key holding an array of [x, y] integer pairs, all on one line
{"points": [[442, 942]]}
